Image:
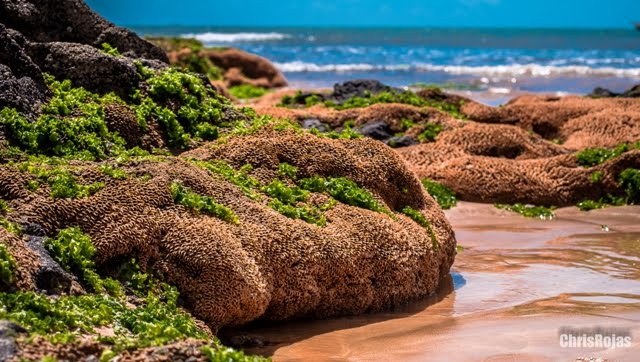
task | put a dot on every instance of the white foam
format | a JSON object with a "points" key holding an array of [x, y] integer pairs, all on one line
{"points": [[210, 37], [515, 70]]}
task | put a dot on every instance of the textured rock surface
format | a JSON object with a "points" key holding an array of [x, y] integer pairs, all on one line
{"points": [[523, 151], [21, 84], [72, 21], [63, 38], [269, 266], [241, 67]]}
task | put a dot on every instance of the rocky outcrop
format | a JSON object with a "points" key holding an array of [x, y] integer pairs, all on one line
{"points": [[21, 83], [557, 118], [599, 92], [268, 266], [64, 38], [72, 21], [240, 67]]}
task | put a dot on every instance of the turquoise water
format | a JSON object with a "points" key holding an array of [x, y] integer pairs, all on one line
{"points": [[492, 60]]}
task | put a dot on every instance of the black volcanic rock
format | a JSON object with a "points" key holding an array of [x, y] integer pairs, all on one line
{"points": [[378, 130], [86, 66], [600, 92], [72, 21], [357, 88], [633, 92], [21, 83]]}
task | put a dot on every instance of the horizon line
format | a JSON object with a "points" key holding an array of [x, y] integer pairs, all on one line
{"points": [[343, 26]]}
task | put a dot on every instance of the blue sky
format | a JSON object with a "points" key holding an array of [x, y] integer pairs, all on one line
{"points": [[439, 13]]}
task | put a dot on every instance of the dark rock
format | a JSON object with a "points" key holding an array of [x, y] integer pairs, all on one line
{"points": [[72, 21], [21, 83], [600, 92], [315, 123], [344, 91], [378, 130], [86, 67], [244, 341], [633, 92], [50, 278], [401, 141], [358, 88], [8, 333]]}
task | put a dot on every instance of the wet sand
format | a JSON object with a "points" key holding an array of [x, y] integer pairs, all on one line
{"points": [[515, 284]]}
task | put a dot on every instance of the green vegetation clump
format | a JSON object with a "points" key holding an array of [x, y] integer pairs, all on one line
{"points": [[199, 203], [629, 180], [71, 125], [156, 322], [347, 133], [4, 207], [368, 99], [444, 196], [430, 132], [74, 251], [545, 213], [417, 216], [596, 177], [7, 266], [110, 50], [113, 172], [290, 202], [11, 226], [247, 91], [595, 156], [287, 170], [200, 110], [343, 190], [62, 182], [223, 354], [239, 178]]}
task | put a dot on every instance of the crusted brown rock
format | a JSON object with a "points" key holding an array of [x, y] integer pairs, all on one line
{"points": [[268, 266], [547, 115], [245, 68], [27, 262]]}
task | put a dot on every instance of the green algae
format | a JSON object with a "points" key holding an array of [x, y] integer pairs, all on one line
{"points": [[201, 203], [540, 212], [417, 216], [443, 195], [247, 91], [7, 266]]}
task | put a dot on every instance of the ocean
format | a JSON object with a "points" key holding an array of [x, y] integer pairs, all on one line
{"points": [[498, 62]]}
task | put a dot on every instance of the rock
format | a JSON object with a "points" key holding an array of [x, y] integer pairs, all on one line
{"points": [[401, 141], [72, 21], [86, 67], [241, 67], [633, 92], [269, 266], [357, 88], [50, 277], [600, 92], [245, 341], [21, 83], [378, 130], [315, 123], [8, 333]]}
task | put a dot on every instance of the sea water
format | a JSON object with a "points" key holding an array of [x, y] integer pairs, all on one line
{"points": [[499, 61]]}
